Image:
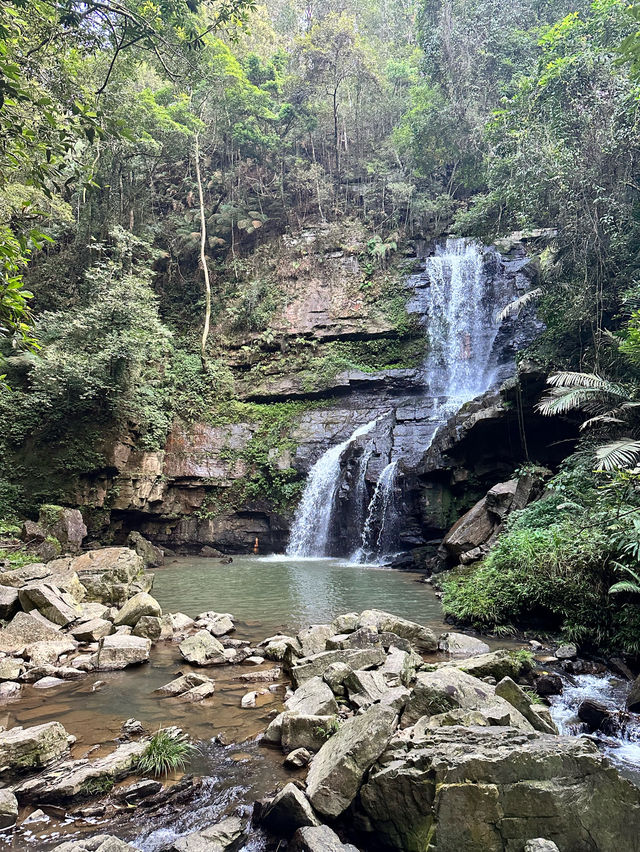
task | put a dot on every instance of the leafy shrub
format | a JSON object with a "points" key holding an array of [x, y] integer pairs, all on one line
{"points": [[555, 575]]}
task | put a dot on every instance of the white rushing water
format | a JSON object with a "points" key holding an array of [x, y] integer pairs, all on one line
{"points": [[310, 530], [380, 516], [460, 321], [622, 746]]}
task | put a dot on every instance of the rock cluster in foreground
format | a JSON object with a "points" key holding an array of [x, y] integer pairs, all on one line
{"points": [[445, 757]]}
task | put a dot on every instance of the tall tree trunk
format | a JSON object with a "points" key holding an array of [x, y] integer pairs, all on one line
{"points": [[203, 258]]}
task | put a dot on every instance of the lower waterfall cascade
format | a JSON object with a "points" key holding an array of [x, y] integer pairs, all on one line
{"points": [[458, 297]]}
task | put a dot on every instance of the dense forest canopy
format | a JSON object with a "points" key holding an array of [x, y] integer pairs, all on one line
{"points": [[151, 154]]}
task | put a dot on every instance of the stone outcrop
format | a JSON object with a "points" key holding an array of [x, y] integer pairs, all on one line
{"points": [[81, 777], [452, 689], [491, 789], [23, 749]]}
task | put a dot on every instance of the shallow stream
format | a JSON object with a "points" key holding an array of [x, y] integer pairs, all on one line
{"points": [[265, 595]]}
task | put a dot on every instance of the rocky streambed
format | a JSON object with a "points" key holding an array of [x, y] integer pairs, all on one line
{"points": [[370, 731]]}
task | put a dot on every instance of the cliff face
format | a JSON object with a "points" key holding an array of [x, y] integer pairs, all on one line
{"points": [[345, 347]]}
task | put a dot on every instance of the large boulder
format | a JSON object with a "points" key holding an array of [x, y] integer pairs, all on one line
{"points": [[288, 811], [65, 525], [110, 575], [151, 555], [319, 839], [422, 637], [56, 605], [202, 649], [337, 770], [225, 835], [313, 640], [633, 699], [92, 631], [315, 666], [137, 606], [470, 531], [497, 664], [120, 651], [492, 789], [461, 645], [23, 749], [8, 809], [451, 689], [191, 686], [365, 687], [314, 697], [150, 627], [305, 731], [9, 602], [23, 630]]}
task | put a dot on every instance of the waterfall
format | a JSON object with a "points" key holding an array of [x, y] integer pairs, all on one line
{"points": [[380, 516], [461, 324], [457, 295], [311, 524]]}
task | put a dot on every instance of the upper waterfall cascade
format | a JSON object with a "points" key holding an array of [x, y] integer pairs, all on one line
{"points": [[458, 301]]}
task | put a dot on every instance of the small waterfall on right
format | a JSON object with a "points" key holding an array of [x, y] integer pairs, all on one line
{"points": [[377, 532]]}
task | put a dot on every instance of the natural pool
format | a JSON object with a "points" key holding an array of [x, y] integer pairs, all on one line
{"points": [[265, 595], [275, 593]]}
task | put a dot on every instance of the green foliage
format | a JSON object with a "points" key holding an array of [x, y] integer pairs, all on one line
{"points": [[166, 753], [97, 786], [557, 560]]}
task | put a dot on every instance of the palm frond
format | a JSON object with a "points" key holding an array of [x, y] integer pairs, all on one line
{"points": [[599, 419], [560, 400], [591, 381], [625, 586], [619, 454], [518, 304]]}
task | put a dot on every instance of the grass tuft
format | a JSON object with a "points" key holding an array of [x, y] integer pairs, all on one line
{"points": [[165, 753]]}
